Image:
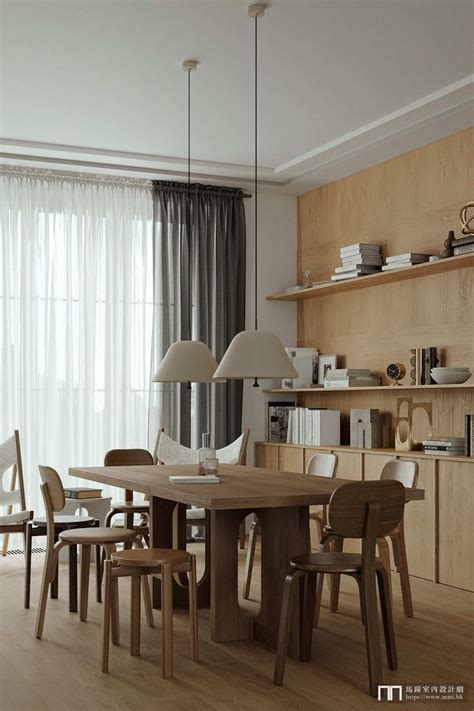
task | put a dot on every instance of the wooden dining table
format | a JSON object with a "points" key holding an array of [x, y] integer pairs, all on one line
{"points": [[281, 501]]}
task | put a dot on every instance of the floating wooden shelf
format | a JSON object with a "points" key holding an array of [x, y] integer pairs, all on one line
{"points": [[385, 451], [419, 270], [374, 388]]}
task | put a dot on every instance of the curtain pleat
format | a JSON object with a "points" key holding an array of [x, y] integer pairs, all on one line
{"points": [[216, 246]]}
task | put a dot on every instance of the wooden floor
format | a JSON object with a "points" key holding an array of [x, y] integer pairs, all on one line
{"points": [[61, 672]]}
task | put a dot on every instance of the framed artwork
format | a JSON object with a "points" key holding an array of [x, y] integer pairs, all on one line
{"points": [[277, 424], [326, 363]]}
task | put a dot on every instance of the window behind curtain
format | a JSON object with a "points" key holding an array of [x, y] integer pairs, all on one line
{"points": [[76, 315]]}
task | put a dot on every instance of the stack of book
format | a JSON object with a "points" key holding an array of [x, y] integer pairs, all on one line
{"points": [[82, 492], [350, 377], [463, 245], [469, 435], [358, 260], [447, 446], [315, 427], [400, 261]]}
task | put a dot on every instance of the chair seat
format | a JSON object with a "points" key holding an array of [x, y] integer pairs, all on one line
{"points": [[129, 506], [151, 557], [65, 520], [331, 562], [15, 518], [97, 536], [192, 514]]}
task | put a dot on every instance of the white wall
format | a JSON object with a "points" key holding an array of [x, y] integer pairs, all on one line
{"points": [[277, 241]]}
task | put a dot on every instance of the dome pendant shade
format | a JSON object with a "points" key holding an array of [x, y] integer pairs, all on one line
{"points": [[255, 354], [186, 362]]}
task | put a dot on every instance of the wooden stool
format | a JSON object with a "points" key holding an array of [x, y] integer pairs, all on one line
{"points": [[53, 495], [141, 563], [363, 510]]}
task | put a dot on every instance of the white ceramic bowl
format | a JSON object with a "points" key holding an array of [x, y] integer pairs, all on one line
{"points": [[450, 376]]}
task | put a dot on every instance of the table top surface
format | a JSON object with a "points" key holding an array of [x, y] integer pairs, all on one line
{"points": [[240, 487]]}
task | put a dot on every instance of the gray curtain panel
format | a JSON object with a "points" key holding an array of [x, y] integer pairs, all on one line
{"points": [[199, 242]]}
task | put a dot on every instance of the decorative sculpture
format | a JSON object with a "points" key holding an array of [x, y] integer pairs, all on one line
{"points": [[467, 221], [405, 441], [365, 428]]}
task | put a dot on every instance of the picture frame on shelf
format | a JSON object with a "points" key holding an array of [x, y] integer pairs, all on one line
{"points": [[326, 363]]}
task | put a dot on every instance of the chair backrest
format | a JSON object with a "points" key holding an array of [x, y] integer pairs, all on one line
{"points": [[127, 457], [52, 488], [10, 458], [366, 508], [404, 471], [322, 464], [236, 451], [168, 451]]}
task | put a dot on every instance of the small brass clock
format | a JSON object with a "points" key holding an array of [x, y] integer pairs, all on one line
{"points": [[396, 372]]}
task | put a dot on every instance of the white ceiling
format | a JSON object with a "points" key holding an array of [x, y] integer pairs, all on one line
{"points": [[343, 84]]}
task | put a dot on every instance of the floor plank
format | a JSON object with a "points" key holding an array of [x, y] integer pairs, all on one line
{"points": [[61, 671]]}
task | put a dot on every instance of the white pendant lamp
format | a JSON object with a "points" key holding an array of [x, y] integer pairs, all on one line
{"points": [[255, 354], [187, 361]]}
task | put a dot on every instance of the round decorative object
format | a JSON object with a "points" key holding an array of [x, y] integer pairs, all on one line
{"points": [[396, 371], [467, 220]]}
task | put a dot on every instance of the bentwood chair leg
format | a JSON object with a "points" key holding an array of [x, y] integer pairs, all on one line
{"points": [[106, 616], [167, 621], [309, 600], [250, 558], [285, 622], [337, 544], [49, 570], [387, 618], [372, 637], [384, 553], [147, 601], [114, 599], [53, 592], [135, 616], [28, 547], [193, 618], [72, 552], [401, 564], [361, 598], [85, 569], [319, 595], [98, 573]]}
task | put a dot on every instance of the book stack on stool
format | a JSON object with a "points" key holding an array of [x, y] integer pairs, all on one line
{"points": [[358, 260]]}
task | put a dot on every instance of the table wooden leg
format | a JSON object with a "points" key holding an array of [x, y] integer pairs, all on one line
{"points": [[284, 534], [53, 590], [161, 517], [228, 620]]}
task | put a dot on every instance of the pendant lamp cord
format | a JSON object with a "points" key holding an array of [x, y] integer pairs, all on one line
{"points": [[255, 187], [189, 324]]}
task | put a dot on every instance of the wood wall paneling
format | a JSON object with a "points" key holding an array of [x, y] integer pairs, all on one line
{"points": [[455, 524]]}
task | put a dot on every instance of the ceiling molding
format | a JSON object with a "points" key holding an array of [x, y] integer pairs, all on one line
{"points": [[428, 119]]}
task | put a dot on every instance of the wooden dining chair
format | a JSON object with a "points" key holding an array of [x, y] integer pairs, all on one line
{"points": [[365, 510], [168, 451], [406, 472], [129, 507], [15, 521], [320, 464], [53, 496], [140, 563]]}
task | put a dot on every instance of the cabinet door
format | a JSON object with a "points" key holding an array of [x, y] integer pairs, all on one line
{"points": [[266, 456], [456, 514], [290, 459], [349, 465], [420, 523]]}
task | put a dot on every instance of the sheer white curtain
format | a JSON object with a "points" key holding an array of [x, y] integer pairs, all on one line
{"points": [[76, 315]]}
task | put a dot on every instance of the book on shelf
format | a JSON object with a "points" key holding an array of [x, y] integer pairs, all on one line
{"points": [[82, 492], [463, 249], [314, 427], [359, 247], [411, 257], [350, 275], [357, 266], [469, 435], [445, 452], [342, 373], [461, 241], [364, 261], [422, 361], [373, 381], [444, 441]]}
